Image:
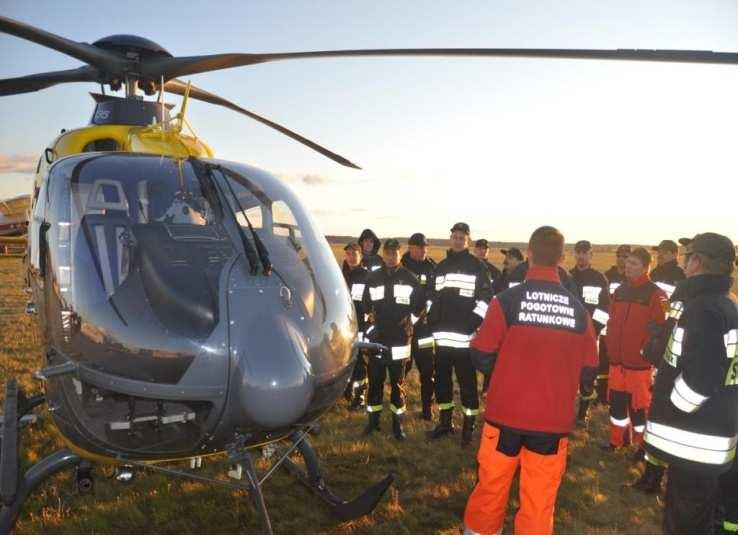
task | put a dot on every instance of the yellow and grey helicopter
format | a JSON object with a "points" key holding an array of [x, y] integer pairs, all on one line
{"points": [[189, 306]]}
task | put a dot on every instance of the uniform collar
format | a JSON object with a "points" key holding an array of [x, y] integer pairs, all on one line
{"points": [[451, 254], [705, 284], [543, 273]]}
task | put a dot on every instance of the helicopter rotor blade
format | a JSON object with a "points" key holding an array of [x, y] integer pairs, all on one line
{"points": [[102, 59], [179, 87], [180, 66], [36, 82]]}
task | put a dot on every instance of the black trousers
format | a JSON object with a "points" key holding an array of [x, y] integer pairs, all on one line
{"points": [[359, 373], [728, 498], [690, 502], [448, 361], [423, 358], [377, 374], [602, 371]]}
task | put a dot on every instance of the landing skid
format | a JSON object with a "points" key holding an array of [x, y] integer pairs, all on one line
{"points": [[15, 490]]}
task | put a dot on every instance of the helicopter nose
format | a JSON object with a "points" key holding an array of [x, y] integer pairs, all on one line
{"points": [[275, 383]]}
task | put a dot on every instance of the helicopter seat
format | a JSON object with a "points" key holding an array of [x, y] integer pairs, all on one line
{"points": [[108, 236]]}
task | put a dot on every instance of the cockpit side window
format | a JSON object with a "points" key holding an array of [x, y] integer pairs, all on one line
{"points": [[101, 145]]}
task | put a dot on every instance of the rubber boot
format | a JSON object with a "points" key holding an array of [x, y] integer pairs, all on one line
{"points": [[373, 423], [650, 481], [445, 425], [467, 430], [397, 427], [357, 402]]}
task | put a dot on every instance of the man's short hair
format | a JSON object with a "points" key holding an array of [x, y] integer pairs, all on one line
{"points": [[641, 254], [546, 246]]}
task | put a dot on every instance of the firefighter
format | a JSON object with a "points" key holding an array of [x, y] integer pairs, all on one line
{"points": [[393, 299], [537, 339], [462, 291], [667, 273], [481, 251], [513, 257], [693, 420], [416, 259], [517, 276], [370, 250], [356, 276], [594, 293], [615, 277], [637, 308]]}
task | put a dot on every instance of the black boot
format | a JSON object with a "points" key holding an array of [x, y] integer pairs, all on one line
{"points": [[467, 430], [445, 426], [397, 427], [650, 481], [373, 423], [358, 397], [583, 414], [427, 414]]}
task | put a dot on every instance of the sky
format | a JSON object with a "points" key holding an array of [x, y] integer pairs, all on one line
{"points": [[613, 152]]}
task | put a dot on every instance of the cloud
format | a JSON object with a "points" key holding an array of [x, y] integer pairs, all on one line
{"points": [[17, 163]]}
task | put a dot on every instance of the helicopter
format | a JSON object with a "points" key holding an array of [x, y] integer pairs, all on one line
{"points": [[189, 306]]}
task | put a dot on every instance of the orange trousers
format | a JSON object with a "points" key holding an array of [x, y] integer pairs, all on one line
{"points": [[630, 396], [540, 476]]}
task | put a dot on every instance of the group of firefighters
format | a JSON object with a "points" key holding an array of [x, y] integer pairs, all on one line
{"points": [[659, 347]]}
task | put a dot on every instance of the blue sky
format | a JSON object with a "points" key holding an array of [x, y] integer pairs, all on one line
{"points": [[611, 152]]}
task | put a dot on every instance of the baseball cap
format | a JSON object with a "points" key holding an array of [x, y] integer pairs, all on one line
{"points": [[514, 252], [391, 243], [712, 245], [482, 243], [352, 245], [667, 245], [582, 246], [417, 239], [463, 227]]}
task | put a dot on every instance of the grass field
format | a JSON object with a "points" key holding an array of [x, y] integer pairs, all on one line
{"points": [[433, 478]]}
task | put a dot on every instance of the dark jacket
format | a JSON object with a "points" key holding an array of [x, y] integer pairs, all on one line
{"points": [[424, 271], [637, 308], [494, 273], [545, 347], [518, 275], [371, 261], [593, 292], [394, 300], [614, 278], [667, 276], [356, 281], [461, 293], [693, 419]]}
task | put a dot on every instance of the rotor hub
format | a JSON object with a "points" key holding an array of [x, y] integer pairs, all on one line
{"points": [[132, 46]]}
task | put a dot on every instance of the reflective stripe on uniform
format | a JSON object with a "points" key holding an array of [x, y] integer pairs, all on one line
{"points": [[397, 410], [449, 339], [481, 309], [639, 428], [674, 346], [357, 291], [376, 293], [414, 319], [731, 343], [591, 294], [676, 309], [709, 449], [668, 288], [614, 286], [373, 408], [600, 316], [446, 406], [730, 527], [424, 343], [620, 423], [375, 268], [400, 352], [428, 305], [469, 412], [513, 284], [684, 398], [369, 330], [402, 293], [456, 280]]}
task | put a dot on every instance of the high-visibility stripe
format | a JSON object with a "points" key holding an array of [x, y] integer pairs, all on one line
{"points": [[397, 410], [711, 449], [600, 316], [639, 428], [414, 319], [591, 294], [731, 343], [602, 376], [469, 412], [614, 286], [481, 309], [357, 384], [456, 280], [370, 329], [684, 398], [373, 408], [400, 352], [603, 332], [360, 336], [376, 293], [402, 293], [446, 406], [668, 288], [357, 291], [450, 339], [620, 423], [513, 284], [676, 309], [375, 268], [428, 305], [730, 527], [424, 343]]}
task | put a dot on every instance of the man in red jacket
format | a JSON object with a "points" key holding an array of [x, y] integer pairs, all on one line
{"points": [[636, 308], [538, 341]]}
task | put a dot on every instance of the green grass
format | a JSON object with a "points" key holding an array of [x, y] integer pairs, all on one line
{"points": [[433, 478]]}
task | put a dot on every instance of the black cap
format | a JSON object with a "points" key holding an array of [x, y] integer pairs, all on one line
{"points": [[514, 252], [391, 243], [352, 245], [417, 239], [482, 243], [463, 227], [714, 246], [667, 245], [684, 241], [582, 246]]}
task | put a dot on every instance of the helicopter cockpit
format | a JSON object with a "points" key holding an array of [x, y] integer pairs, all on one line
{"points": [[152, 287]]}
